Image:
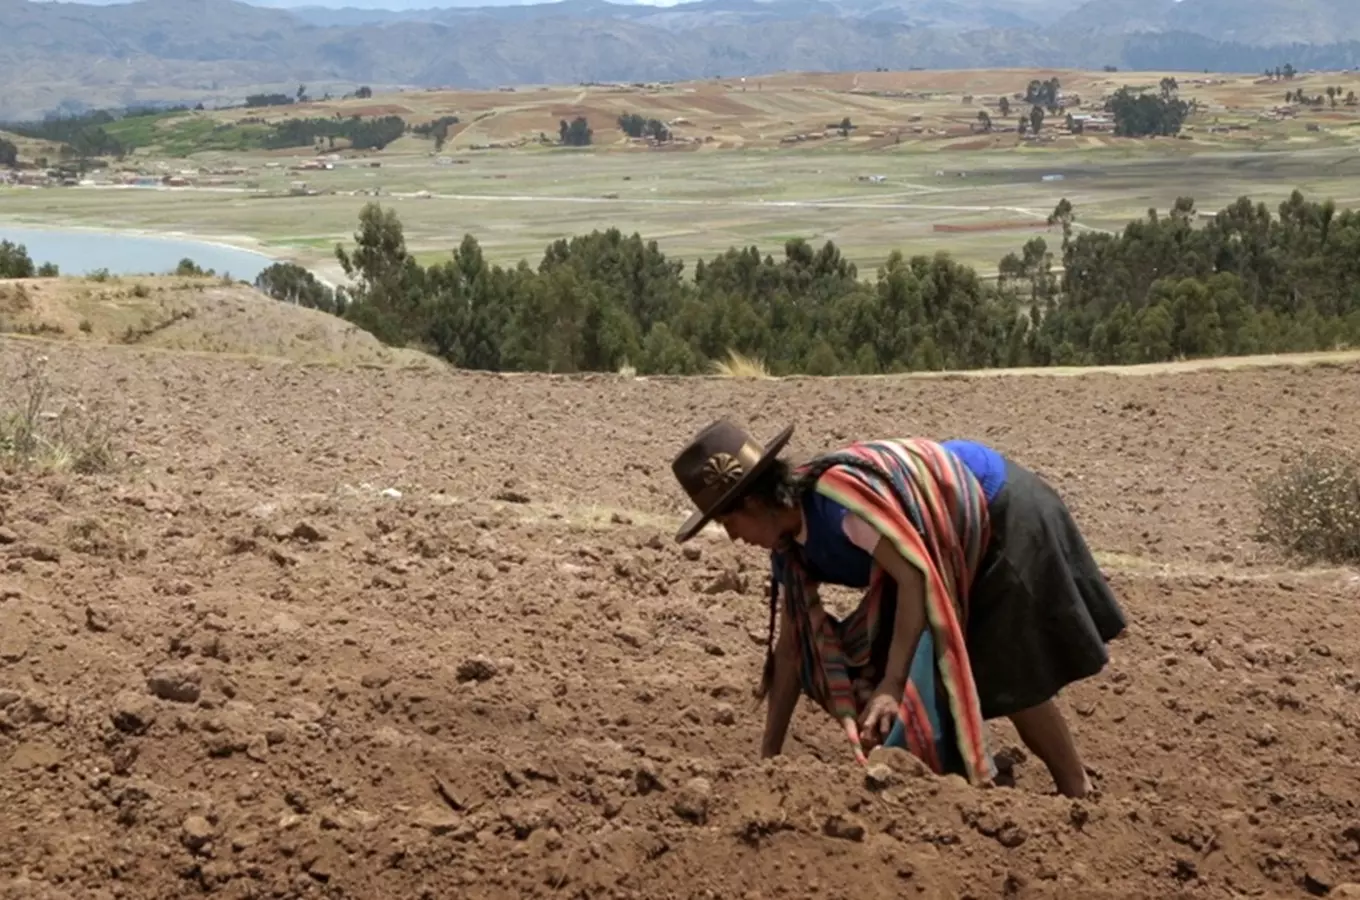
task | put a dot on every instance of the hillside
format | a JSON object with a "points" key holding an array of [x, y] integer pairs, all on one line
{"points": [[200, 315], [930, 110], [74, 56]]}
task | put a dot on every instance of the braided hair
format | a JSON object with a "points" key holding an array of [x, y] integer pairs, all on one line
{"points": [[781, 487]]}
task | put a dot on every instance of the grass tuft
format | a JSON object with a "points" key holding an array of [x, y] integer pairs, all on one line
{"points": [[738, 365], [37, 430]]}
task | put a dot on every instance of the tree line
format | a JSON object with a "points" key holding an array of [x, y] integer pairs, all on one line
{"points": [[362, 134], [1140, 114], [1136, 112], [102, 133], [1244, 281], [83, 135]]}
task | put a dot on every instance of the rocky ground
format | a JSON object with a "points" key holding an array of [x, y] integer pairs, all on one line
{"points": [[375, 633]]}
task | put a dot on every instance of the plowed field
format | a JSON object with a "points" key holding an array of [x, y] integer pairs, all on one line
{"points": [[371, 633]]}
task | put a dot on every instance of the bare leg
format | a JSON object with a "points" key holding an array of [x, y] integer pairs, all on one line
{"points": [[1044, 731]]}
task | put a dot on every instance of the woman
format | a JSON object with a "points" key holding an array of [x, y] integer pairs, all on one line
{"points": [[981, 597]]}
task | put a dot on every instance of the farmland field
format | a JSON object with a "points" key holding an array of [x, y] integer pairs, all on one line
{"points": [[343, 631], [911, 163]]}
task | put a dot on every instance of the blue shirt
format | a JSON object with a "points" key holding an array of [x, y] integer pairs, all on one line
{"points": [[987, 465], [834, 559]]}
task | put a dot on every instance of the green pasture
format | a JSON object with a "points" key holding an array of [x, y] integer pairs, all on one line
{"points": [[700, 203]]}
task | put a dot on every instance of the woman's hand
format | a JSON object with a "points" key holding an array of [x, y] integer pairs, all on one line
{"points": [[880, 713]]}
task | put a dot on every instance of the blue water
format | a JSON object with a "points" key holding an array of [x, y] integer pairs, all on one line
{"points": [[80, 252]]}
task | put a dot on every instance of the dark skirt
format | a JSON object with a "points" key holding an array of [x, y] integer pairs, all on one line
{"points": [[1040, 612]]}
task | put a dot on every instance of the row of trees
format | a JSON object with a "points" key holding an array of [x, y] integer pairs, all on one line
{"points": [[1333, 95], [88, 135], [636, 126], [82, 136], [576, 133], [1136, 111], [1246, 281], [1140, 114], [254, 101], [362, 134], [436, 130]]}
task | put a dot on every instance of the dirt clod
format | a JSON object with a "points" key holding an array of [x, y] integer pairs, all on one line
{"points": [[133, 713], [176, 682], [196, 832], [478, 668], [692, 800]]}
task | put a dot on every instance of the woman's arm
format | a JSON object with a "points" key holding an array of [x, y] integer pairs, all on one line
{"points": [[911, 611], [908, 622], [784, 689]]}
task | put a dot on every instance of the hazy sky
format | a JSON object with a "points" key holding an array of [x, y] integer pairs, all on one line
{"points": [[429, 4], [379, 4], [418, 4]]}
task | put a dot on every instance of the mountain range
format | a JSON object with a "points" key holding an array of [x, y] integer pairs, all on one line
{"points": [[67, 57]]}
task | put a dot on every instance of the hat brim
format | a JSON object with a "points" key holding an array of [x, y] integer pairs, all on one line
{"points": [[695, 523]]}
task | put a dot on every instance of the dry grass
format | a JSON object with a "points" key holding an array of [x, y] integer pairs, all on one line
{"points": [[192, 314], [738, 365], [40, 429]]}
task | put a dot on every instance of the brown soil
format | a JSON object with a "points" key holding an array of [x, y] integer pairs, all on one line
{"points": [[379, 109], [234, 666], [779, 104]]}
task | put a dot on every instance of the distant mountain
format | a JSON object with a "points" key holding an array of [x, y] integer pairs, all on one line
{"points": [[69, 56], [949, 14], [1258, 22]]}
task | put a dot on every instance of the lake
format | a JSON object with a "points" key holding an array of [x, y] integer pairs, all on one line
{"points": [[78, 251]]}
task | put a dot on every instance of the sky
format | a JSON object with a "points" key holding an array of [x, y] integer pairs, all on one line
{"points": [[395, 5], [417, 4]]}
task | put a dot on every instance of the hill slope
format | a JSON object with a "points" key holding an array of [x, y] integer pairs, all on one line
{"points": [[75, 56], [190, 314]]}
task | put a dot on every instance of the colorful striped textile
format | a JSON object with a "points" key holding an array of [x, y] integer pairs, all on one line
{"points": [[921, 497]]}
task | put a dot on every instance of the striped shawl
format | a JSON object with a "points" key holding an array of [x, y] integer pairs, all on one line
{"points": [[923, 499]]}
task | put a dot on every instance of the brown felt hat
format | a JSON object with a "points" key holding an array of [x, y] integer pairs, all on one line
{"points": [[718, 466]]}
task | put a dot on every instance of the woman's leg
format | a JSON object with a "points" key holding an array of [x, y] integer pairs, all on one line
{"points": [[1044, 731]]}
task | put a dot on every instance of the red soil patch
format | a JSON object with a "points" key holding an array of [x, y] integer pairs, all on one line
{"points": [[236, 668], [568, 112], [980, 144], [1002, 225], [720, 105]]}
